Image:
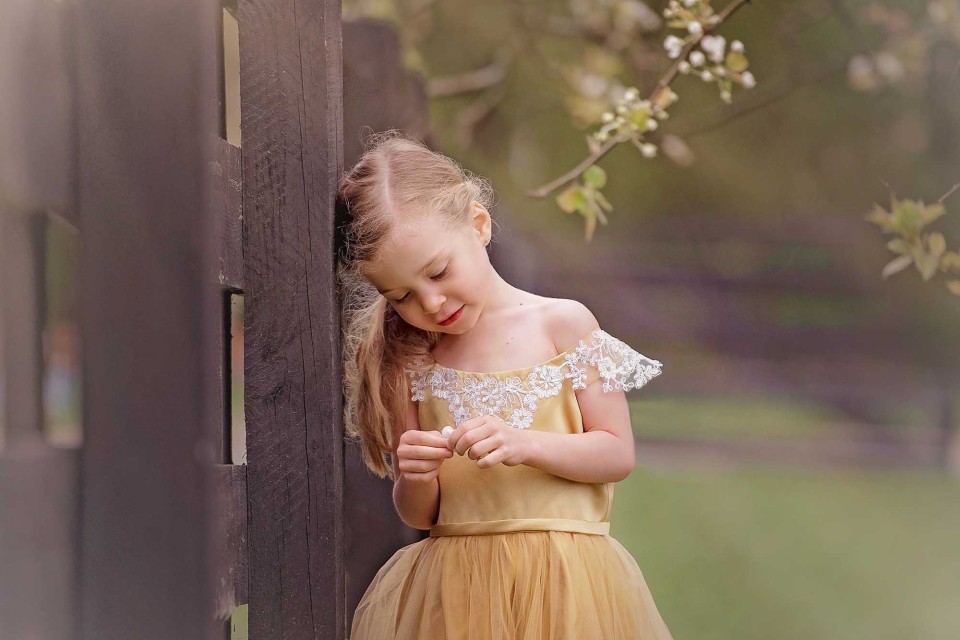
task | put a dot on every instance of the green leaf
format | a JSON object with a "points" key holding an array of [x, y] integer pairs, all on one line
{"points": [[908, 216], [595, 176], [572, 198], [895, 266], [882, 218], [736, 61], [899, 245], [937, 244], [927, 265], [950, 260]]}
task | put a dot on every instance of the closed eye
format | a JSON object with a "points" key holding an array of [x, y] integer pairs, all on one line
{"points": [[438, 276]]}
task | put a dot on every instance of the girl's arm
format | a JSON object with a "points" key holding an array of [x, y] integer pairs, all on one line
{"points": [[417, 503], [604, 452]]}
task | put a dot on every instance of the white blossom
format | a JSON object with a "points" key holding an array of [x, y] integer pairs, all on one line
{"points": [[648, 150], [673, 45], [706, 75], [748, 80], [695, 28], [736, 46], [714, 46], [697, 58], [684, 67]]}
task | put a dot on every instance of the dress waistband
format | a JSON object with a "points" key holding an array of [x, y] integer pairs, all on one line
{"points": [[526, 524]]}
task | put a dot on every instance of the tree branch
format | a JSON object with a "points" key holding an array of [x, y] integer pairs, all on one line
{"points": [[662, 85]]}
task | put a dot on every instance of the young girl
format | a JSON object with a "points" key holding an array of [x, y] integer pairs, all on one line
{"points": [[504, 413]]}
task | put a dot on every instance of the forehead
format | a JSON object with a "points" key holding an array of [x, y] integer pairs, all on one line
{"points": [[412, 242]]}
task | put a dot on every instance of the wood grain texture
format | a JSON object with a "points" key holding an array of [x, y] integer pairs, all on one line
{"points": [[228, 209], [230, 550], [291, 119]]}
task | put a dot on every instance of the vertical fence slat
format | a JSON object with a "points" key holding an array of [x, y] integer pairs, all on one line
{"points": [[146, 121], [227, 199], [291, 111], [38, 483], [22, 243]]}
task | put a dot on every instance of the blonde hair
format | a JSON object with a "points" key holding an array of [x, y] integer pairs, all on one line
{"points": [[397, 179]]}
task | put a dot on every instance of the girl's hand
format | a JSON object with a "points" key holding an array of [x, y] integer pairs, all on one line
{"points": [[490, 441], [420, 454]]}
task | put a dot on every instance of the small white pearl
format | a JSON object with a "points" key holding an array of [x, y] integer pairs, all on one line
{"points": [[447, 430]]}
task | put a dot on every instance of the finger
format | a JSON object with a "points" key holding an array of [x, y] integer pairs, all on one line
{"points": [[491, 459], [482, 448], [469, 425], [426, 453], [471, 437], [428, 438], [417, 466]]}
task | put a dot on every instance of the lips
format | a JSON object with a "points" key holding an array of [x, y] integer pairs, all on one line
{"points": [[452, 317]]}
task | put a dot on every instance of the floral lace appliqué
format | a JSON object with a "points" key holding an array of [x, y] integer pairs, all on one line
{"points": [[514, 400]]}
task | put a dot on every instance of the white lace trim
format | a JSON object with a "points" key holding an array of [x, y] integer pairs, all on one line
{"points": [[514, 400]]}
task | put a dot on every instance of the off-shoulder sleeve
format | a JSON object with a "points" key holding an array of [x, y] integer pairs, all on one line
{"points": [[600, 356]]}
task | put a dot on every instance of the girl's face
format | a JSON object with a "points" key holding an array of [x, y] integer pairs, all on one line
{"points": [[436, 278]]}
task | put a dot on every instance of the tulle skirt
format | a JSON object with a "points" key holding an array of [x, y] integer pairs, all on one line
{"points": [[525, 585]]}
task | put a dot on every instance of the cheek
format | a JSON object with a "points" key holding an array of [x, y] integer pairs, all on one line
{"points": [[474, 280]]}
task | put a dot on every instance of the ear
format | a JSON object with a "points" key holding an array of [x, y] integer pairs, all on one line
{"points": [[482, 222]]}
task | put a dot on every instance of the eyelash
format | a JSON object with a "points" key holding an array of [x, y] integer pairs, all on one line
{"points": [[439, 276]]}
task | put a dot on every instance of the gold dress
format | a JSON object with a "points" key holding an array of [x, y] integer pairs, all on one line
{"points": [[517, 553]]}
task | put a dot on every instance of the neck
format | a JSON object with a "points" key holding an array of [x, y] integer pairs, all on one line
{"points": [[502, 298]]}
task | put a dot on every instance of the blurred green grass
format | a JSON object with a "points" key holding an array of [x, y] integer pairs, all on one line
{"points": [[709, 418], [760, 553]]}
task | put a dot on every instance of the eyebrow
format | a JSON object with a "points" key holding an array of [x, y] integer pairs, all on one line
{"points": [[422, 269]]}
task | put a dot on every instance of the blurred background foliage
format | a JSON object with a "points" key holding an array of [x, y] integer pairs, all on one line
{"points": [[797, 461]]}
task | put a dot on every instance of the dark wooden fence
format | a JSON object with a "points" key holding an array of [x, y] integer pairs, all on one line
{"points": [[110, 118]]}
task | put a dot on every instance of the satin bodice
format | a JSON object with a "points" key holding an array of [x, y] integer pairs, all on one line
{"points": [[542, 397]]}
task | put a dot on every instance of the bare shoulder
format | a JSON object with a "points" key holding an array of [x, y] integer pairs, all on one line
{"points": [[568, 321]]}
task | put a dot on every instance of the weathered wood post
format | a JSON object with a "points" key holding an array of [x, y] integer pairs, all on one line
{"points": [[291, 151]]}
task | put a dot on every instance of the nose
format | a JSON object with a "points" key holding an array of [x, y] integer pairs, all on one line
{"points": [[433, 303]]}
